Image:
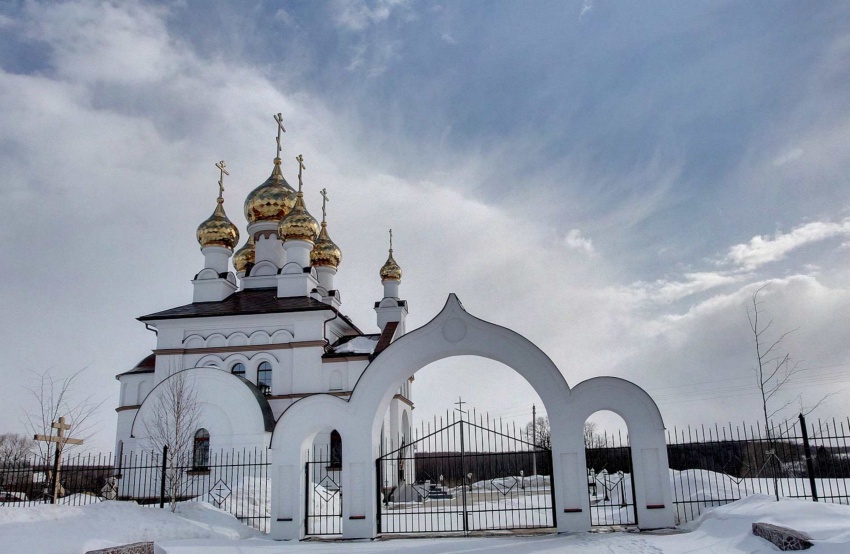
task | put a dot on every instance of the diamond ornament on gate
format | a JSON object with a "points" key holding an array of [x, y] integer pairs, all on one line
{"points": [[219, 493], [502, 485], [327, 488]]}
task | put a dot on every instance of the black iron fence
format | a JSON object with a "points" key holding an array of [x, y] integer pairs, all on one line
{"points": [[712, 466], [235, 481], [709, 466]]}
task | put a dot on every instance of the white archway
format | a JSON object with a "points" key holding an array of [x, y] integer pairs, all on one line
{"points": [[454, 332]]}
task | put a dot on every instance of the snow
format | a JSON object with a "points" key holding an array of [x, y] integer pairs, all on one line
{"points": [[199, 528], [357, 345]]}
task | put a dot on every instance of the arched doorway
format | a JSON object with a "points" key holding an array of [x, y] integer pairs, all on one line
{"points": [[454, 332], [610, 473]]}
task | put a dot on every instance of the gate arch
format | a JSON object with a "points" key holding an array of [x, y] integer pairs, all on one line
{"points": [[454, 332]]}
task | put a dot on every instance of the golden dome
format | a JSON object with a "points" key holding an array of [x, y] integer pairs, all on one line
{"points": [[272, 200], [391, 270], [298, 223], [325, 252], [217, 230], [244, 256]]}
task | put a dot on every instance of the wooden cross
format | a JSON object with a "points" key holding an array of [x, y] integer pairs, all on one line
{"points": [[220, 165], [279, 119], [61, 440], [324, 193], [300, 159]]}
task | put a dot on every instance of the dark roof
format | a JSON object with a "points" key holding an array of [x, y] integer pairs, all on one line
{"points": [[386, 337], [251, 301], [145, 366]]}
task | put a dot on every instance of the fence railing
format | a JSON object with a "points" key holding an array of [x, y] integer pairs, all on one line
{"points": [[235, 481], [710, 466]]}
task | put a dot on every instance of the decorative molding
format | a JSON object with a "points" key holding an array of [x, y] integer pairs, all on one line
{"points": [[125, 408], [304, 394], [403, 399], [353, 358], [244, 348]]}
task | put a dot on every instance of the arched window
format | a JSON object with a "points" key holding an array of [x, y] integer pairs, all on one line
{"points": [[201, 450], [238, 370], [336, 450], [264, 378]]}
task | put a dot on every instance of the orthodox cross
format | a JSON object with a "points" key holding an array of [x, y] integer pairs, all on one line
{"points": [[279, 119], [61, 440], [301, 167], [324, 193], [391, 249], [220, 165], [459, 408]]}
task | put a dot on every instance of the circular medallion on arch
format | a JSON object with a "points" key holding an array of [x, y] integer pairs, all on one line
{"points": [[454, 330]]}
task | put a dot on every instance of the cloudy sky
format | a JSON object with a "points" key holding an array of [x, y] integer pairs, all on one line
{"points": [[612, 180]]}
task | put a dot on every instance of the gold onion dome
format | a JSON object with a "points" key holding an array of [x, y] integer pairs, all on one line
{"points": [[298, 223], [244, 256], [391, 270], [272, 200], [325, 252], [217, 230]]}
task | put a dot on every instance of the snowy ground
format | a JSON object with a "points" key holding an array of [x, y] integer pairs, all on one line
{"points": [[201, 529]]}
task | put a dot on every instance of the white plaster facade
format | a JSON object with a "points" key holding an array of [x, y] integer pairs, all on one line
{"points": [[276, 322]]}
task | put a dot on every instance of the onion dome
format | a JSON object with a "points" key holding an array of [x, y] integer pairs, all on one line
{"points": [[217, 230], [391, 270], [244, 256], [272, 200], [298, 223], [325, 252]]}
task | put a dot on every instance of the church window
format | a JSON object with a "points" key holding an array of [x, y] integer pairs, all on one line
{"points": [[238, 370], [336, 450], [201, 450], [264, 378]]}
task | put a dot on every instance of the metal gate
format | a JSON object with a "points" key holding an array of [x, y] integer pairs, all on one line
{"points": [[609, 481], [323, 494], [464, 476]]}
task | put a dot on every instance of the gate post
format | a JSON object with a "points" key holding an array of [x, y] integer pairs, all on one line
{"points": [[810, 466]]}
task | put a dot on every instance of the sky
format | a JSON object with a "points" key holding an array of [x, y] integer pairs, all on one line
{"points": [[612, 180]]}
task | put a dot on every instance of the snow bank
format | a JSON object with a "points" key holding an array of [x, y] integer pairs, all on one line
{"points": [[75, 529]]}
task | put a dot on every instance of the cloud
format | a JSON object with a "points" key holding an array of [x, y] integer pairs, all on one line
{"points": [[586, 7], [355, 15], [574, 239], [761, 250]]}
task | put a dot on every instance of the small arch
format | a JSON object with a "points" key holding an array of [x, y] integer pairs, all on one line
{"points": [[201, 449], [144, 390], [216, 339], [237, 339], [210, 360], [259, 337], [193, 341], [264, 268], [282, 336], [238, 369], [335, 380]]}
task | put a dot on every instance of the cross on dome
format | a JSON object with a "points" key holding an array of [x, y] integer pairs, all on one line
{"points": [[300, 159], [324, 193], [279, 120], [221, 165]]}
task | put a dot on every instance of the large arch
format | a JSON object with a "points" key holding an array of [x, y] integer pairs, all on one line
{"points": [[454, 332]]}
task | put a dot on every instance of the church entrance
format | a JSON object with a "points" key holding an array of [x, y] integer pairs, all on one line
{"points": [[464, 474]]}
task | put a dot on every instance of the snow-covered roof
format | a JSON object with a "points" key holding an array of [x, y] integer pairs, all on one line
{"points": [[363, 345]]}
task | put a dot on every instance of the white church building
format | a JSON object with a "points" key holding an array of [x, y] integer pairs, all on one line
{"points": [[265, 328], [277, 365]]}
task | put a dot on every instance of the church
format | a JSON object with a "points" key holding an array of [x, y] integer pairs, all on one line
{"points": [[265, 327]]}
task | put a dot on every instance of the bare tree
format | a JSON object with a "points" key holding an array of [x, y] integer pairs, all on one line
{"points": [[15, 449], [774, 370], [592, 438], [774, 367], [54, 396], [171, 426], [540, 434]]}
